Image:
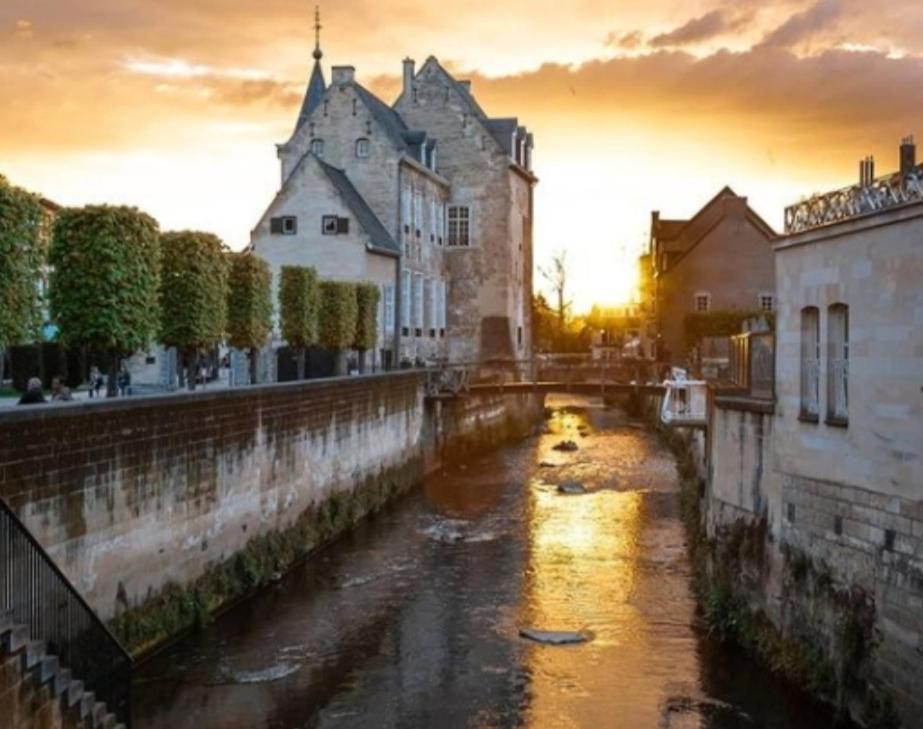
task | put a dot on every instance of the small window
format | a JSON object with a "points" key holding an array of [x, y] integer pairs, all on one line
{"points": [[767, 302], [703, 302], [459, 226], [284, 225], [519, 336], [334, 225], [810, 364], [317, 147], [362, 148], [838, 364]]}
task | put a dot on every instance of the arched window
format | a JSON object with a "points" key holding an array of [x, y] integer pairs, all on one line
{"points": [[838, 364], [810, 363], [362, 148], [317, 147]]}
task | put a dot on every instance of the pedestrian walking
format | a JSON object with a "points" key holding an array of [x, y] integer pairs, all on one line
{"points": [[33, 394], [95, 381], [124, 381]]}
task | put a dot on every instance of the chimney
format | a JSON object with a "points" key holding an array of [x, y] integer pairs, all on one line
{"points": [[409, 65], [908, 155], [867, 171], [342, 75]]}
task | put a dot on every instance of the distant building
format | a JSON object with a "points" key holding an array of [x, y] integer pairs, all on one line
{"points": [[430, 199], [719, 260]]}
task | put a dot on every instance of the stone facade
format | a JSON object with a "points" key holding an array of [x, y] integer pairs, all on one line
{"points": [[447, 194], [836, 496], [720, 260], [488, 162]]}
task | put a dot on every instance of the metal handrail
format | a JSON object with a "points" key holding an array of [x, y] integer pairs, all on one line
{"points": [[39, 596]]}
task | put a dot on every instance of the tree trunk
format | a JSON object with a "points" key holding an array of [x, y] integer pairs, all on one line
{"points": [[340, 358], [190, 365], [254, 366], [362, 361], [301, 361], [2, 364], [112, 382]]}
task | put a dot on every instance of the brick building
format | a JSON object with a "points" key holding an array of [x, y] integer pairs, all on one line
{"points": [[719, 260]]}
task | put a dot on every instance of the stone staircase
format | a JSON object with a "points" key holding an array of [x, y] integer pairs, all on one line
{"points": [[38, 693]]}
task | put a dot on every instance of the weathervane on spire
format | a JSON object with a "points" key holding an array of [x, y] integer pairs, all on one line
{"points": [[318, 54]]}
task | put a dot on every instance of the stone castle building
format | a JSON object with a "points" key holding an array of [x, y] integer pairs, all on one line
{"points": [[430, 198]]}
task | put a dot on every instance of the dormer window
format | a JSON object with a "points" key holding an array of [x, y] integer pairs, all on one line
{"points": [[317, 147], [362, 148]]}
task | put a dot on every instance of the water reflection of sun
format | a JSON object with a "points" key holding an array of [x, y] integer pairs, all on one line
{"points": [[582, 569]]}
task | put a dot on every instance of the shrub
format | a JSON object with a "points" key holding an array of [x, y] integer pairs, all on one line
{"points": [[337, 315], [193, 294], [298, 310], [249, 305], [367, 296]]}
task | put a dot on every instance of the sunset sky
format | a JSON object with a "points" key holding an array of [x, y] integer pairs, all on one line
{"points": [[175, 105]]}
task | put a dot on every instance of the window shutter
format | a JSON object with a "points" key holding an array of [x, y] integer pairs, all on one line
{"points": [[343, 225], [275, 226], [405, 300]]}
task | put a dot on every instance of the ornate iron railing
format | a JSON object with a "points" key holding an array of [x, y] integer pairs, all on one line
{"points": [[855, 201], [40, 597]]}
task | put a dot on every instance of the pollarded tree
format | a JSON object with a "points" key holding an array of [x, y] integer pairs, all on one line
{"points": [[298, 304], [249, 306], [193, 295], [22, 252], [105, 280], [367, 296], [337, 319]]}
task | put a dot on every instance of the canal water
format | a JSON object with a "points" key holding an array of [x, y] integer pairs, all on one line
{"points": [[414, 619]]}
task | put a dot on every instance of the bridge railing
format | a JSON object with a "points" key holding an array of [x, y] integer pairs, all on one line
{"points": [[40, 596]]}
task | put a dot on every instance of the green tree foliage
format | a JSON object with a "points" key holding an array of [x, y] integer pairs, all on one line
{"points": [[298, 305], [105, 281], [367, 296], [249, 305], [22, 252], [193, 294], [337, 317]]}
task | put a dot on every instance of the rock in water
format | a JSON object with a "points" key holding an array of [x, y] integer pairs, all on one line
{"points": [[553, 637], [566, 445], [571, 488]]}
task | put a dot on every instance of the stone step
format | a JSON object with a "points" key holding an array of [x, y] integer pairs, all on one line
{"points": [[47, 669], [34, 653], [62, 681], [15, 638], [87, 703], [74, 693]]}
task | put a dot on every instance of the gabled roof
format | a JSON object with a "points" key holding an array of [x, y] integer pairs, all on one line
{"points": [[317, 87], [387, 117], [379, 235], [687, 234]]}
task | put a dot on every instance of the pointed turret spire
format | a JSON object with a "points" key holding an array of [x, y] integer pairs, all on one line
{"points": [[317, 87]]}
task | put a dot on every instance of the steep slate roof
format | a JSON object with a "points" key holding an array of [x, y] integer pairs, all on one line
{"points": [[317, 87], [502, 130], [393, 125], [381, 238]]}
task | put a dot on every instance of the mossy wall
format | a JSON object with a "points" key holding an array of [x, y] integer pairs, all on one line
{"points": [[789, 608]]}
